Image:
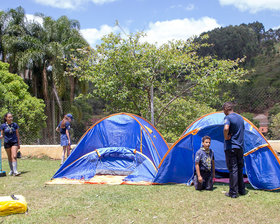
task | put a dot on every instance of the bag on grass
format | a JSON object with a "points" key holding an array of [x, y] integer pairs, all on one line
{"points": [[12, 204], [18, 154]]}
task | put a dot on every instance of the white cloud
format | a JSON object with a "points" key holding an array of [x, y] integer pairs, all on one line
{"points": [[189, 7], [100, 2], [163, 31], [70, 4], [253, 6], [276, 28], [159, 32], [93, 36], [32, 18], [64, 4]]}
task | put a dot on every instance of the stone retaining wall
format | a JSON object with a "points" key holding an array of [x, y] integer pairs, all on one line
{"points": [[55, 151]]}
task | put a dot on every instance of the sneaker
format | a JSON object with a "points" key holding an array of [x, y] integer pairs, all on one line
{"points": [[229, 195], [17, 173], [11, 173]]}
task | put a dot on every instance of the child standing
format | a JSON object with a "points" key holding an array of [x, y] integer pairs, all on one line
{"points": [[9, 130], [204, 166], [65, 141]]}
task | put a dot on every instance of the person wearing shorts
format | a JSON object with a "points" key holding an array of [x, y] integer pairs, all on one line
{"points": [[65, 141], [9, 131]]}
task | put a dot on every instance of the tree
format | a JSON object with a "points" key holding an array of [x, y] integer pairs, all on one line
{"points": [[46, 45], [125, 71], [15, 98], [182, 112], [250, 117], [274, 127], [232, 42]]}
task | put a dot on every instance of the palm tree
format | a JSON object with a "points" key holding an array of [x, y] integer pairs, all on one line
{"points": [[47, 46]]}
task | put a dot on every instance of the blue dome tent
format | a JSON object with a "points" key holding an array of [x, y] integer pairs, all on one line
{"points": [[262, 164], [120, 144]]}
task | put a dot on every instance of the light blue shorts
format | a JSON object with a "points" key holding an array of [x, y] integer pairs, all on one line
{"points": [[63, 140]]}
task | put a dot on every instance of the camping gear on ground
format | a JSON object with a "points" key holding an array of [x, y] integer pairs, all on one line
{"points": [[2, 173], [18, 154], [121, 144], [12, 205], [262, 165]]}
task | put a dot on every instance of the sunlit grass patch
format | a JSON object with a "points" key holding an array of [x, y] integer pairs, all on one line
{"points": [[130, 204]]}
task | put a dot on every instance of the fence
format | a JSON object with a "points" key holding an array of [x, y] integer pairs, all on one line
{"points": [[87, 112]]}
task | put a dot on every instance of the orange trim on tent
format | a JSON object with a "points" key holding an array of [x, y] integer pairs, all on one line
{"points": [[148, 159], [198, 120], [194, 132], [255, 149], [141, 140], [95, 151], [153, 127], [131, 115], [268, 145], [97, 123]]}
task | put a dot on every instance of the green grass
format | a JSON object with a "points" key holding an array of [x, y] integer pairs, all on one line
{"points": [[130, 204]]}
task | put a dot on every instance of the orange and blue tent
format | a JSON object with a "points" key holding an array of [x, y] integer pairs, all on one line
{"points": [[262, 165], [120, 144]]}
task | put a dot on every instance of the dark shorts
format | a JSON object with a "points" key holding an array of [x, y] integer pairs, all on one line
{"points": [[8, 145], [207, 183]]}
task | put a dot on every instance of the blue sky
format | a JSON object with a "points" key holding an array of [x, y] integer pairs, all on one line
{"points": [[161, 20]]}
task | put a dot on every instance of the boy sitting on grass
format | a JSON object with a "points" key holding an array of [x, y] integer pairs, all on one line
{"points": [[204, 166]]}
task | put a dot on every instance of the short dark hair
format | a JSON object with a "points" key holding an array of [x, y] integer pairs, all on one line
{"points": [[228, 106], [206, 137]]}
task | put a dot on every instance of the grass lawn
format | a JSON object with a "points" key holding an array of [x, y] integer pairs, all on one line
{"points": [[130, 204]]}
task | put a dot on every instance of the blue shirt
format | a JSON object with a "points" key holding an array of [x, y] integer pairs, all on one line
{"points": [[9, 132], [63, 130], [236, 131], [204, 158]]}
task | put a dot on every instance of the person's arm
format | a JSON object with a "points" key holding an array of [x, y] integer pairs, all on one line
{"points": [[226, 132], [2, 134], [17, 133], [199, 177], [57, 129]]}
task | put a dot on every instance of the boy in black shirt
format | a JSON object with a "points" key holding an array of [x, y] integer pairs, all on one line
{"points": [[204, 166]]}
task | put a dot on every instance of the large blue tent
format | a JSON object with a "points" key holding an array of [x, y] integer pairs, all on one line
{"points": [[262, 164], [120, 144]]}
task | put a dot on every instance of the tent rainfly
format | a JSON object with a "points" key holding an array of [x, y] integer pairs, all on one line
{"points": [[262, 165], [121, 144]]}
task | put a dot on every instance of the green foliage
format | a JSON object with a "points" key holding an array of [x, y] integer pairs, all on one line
{"points": [[274, 128], [28, 111], [181, 114], [125, 70], [250, 117], [232, 42], [274, 110]]}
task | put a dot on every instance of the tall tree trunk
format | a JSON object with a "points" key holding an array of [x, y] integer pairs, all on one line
{"points": [[47, 102], [53, 120], [56, 97]]}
